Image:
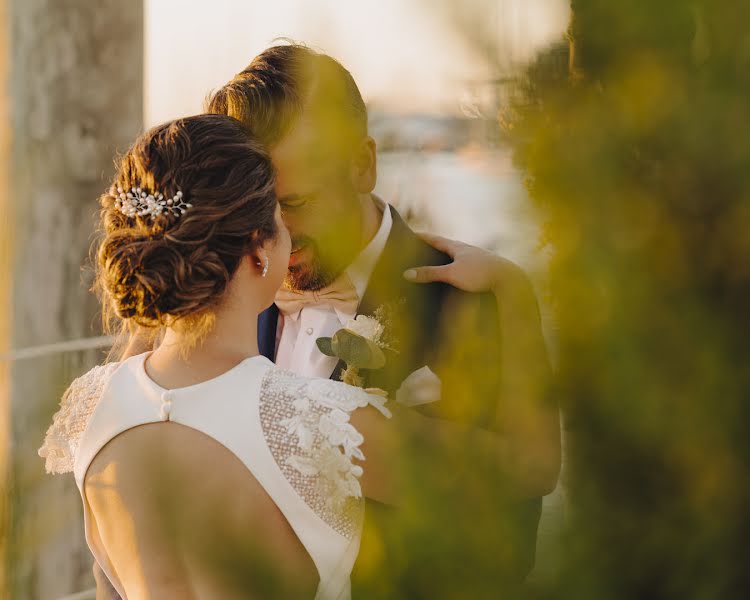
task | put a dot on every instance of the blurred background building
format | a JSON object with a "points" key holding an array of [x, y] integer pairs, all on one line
{"points": [[82, 79]]}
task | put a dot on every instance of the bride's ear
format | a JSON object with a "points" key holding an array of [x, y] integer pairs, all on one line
{"points": [[364, 166], [260, 261]]}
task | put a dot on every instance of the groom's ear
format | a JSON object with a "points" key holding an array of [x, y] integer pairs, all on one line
{"points": [[364, 166]]}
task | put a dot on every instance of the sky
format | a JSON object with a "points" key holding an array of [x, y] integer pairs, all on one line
{"points": [[405, 55]]}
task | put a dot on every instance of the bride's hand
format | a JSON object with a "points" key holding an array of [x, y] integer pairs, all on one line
{"points": [[472, 270]]}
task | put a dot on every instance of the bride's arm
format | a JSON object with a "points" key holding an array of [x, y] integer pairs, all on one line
{"points": [[104, 589], [529, 448], [382, 448], [529, 458]]}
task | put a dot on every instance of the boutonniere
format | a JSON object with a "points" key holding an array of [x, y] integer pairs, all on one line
{"points": [[361, 344]]}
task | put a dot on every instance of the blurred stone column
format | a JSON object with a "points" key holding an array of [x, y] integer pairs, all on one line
{"points": [[75, 94], [5, 290]]}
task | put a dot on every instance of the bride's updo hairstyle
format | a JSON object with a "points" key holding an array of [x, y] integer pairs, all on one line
{"points": [[157, 266]]}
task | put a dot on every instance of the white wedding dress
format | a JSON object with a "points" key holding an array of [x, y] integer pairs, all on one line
{"points": [[292, 433]]}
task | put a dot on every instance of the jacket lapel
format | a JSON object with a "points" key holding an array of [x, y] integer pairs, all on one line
{"points": [[267, 325], [414, 305]]}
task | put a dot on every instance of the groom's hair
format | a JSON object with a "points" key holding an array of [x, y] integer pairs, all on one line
{"points": [[274, 89]]}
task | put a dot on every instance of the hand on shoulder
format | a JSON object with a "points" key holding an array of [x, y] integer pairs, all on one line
{"points": [[473, 269]]}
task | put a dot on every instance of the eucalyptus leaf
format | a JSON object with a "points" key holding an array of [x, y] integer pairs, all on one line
{"points": [[324, 345], [357, 351]]}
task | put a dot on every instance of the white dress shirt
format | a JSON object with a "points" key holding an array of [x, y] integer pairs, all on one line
{"points": [[296, 348]]}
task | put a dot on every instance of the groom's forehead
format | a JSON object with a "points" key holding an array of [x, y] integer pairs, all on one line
{"points": [[298, 173], [299, 164], [305, 152]]}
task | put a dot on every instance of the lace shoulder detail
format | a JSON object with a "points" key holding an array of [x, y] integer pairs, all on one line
{"points": [[306, 425], [76, 407]]}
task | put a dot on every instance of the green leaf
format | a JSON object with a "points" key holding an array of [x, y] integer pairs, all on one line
{"points": [[324, 345], [357, 351]]}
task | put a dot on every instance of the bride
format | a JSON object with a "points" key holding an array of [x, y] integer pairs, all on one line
{"points": [[205, 471]]}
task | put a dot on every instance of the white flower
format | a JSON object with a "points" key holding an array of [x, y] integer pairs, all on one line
{"points": [[298, 425], [301, 405], [368, 327], [338, 431], [350, 486], [337, 418], [342, 397], [377, 399], [304, 465], [351, 449]]}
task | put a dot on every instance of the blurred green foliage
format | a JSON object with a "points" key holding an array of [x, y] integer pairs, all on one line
{"points": [[636, 146]]}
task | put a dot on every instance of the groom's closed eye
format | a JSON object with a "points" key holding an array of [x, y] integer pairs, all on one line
{"points": [[292, 201]]}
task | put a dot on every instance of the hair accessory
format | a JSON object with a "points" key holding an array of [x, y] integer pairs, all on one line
{"points": [[137, 203], [265, 268]]}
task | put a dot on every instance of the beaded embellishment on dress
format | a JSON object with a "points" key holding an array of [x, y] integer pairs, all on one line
{"points": [[306, 425]]}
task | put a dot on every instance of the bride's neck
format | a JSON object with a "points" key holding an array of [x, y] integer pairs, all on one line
{"points": [[233, 337]]}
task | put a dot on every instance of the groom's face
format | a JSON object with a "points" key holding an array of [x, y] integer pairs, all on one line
{"points": [[319, 203]]}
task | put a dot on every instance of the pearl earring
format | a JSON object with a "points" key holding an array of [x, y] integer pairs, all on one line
{"points": [[265, 268]]}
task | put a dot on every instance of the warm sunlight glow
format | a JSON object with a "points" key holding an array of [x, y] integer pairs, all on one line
{"points": [[406, 55]]}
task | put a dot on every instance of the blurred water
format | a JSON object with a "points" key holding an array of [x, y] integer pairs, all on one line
{"points": [[474, 196]]}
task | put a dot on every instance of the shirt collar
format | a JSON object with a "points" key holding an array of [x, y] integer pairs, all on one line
{"points": [[363, 266]]}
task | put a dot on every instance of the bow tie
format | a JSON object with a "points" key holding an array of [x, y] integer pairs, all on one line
{"points": [[339, 295]]}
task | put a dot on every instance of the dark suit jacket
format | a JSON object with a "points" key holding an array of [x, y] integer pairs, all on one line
{"points": [[458, 336]]}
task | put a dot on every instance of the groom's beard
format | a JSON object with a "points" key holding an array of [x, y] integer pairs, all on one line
{"points": [[314, 274]]}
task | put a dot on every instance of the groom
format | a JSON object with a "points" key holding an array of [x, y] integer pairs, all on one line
{"points": [[350, 250]]}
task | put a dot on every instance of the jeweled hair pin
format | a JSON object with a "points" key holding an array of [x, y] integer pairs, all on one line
{"points": [[138, 203]]}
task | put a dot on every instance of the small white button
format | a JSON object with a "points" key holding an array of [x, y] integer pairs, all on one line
{"points": [[166, 405], [309, 331], [166, 411]]}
